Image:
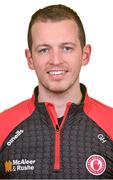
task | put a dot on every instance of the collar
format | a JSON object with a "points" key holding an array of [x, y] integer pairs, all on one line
{"points": [[86, 101]]}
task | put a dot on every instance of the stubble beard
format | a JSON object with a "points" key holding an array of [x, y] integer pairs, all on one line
{"points": [[60, 90]]}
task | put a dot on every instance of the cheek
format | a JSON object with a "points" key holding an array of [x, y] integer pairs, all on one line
{"points": [[39, 68], [37, 62], [76, 65]]}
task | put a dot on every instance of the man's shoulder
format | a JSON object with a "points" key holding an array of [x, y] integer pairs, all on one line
{"points": [[13, 116], [102, 114], [101, 108]]}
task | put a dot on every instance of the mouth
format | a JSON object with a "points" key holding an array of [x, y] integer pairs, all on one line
{"points": [[57, 74]]}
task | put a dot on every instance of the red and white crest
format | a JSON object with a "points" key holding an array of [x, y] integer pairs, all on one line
{"points": [[96, 164]]}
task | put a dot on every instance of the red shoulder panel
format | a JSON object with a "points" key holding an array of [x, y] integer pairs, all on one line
{"points": [[10, 118], [100, 113]]}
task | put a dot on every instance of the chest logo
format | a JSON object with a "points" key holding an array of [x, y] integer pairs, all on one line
{"points": [[96, 164], [19, 165], [8, 166], [16, 135]]}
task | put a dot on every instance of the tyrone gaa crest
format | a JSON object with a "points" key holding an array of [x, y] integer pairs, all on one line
{"points": [[96, 164]]}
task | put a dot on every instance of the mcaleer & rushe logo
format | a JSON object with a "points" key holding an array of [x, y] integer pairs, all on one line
{"points": [[8, 166], [96, 164], [19, 165]]}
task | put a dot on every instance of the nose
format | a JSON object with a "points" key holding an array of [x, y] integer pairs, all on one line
{"points": [[56, 57]]}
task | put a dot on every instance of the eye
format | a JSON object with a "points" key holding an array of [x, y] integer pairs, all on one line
{"points": [[43, 50], [67, 49]]}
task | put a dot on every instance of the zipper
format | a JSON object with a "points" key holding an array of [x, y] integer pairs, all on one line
{"points": [[57, 149], [51, 109]]}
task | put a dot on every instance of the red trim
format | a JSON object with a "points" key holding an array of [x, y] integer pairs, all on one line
{"points": [[65, 114], [100, 113], [10, 118], [51, 109]]}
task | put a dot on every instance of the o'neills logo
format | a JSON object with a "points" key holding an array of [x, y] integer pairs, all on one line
{"points": [[96, 165], [17, 134]]}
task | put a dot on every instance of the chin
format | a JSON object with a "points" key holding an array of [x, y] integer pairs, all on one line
{"points": [[57, 90]]}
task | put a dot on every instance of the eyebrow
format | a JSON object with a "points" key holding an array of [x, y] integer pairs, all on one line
{"points": [[39, 45], [69, 43], [62, 44]]}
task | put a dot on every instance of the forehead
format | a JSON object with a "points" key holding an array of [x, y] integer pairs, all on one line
{"points": [[65, 29]]}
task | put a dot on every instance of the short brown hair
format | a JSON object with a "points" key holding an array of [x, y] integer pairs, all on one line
{"points": [[56, 13]]}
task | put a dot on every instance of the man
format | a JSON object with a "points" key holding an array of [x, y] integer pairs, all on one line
{"points": [[60, 132]]}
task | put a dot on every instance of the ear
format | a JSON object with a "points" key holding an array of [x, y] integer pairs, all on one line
{"points": [[86, 54], [29, 58]]}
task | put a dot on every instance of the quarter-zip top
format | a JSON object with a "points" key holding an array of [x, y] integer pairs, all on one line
{"points": [[53, 151], [51, 109]]}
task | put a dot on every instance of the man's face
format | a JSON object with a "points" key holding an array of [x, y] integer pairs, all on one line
{"points": [[57, 55]]}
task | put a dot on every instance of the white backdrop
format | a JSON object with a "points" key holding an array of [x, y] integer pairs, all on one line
{"points": [[17, 81]]}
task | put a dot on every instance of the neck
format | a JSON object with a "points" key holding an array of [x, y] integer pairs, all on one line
{"points": [[60, 100]]}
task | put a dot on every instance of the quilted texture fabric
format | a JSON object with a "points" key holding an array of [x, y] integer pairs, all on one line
{"points": [[30, 153]]}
